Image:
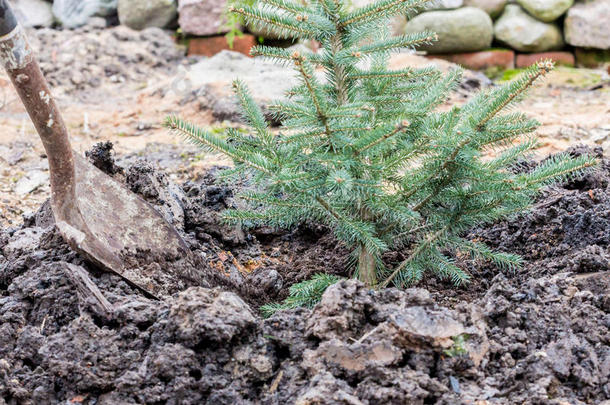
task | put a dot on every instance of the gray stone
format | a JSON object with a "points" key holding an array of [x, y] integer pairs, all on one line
{"points": [[420, 326], [546, 10], [140, 14], [107, 8], [31, 182], [492, 7], [354, 357], [75, 13], [33, 13], [588, 25], [443, 4], [211, 80], [342, 309], [202, 17], [97, 22], [524, 33], [13, 153], [466, 29]]}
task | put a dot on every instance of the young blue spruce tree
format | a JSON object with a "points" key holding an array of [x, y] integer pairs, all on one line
{"points": [[364, 149]]}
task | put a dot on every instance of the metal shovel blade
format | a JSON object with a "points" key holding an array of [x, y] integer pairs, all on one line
{"points": [[97, 216], [117, 230]]}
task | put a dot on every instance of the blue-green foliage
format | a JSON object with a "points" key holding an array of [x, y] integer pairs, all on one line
{"points": [[305, 294], [365, 150]]}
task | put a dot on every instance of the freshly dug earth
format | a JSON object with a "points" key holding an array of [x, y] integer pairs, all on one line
{"points": [[540, 336]]}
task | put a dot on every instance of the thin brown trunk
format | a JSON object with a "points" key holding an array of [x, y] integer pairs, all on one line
{"points": [[367, 268]]}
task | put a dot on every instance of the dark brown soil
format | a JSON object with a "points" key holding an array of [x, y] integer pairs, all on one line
{"points": [[539, 336]]}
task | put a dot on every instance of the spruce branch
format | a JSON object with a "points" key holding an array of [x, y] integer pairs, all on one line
{"points": [[450, 159], [252, 112], [278, 55], [328, 208], [418, 250], [479, 251], [312, 87], [380, 10], [288, 6], [305, 294], [354, 231], [513, 90], [512, 154], [361, 128], [401, 127], [287, 25], [208, 140], [329, 9], [283, 56], [408, 41], [557, 168], [394, 74], [278, 217], [447, 268], [303, 137], [289, 110], [338, 72], [267, 200], [504, 129]]}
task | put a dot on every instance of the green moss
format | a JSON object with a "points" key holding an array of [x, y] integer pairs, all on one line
{"points": [[496, 49], [494, 72], [510, 74], [574, 77], [561, 76], [459, 346], [234, 21], [592, 58]]}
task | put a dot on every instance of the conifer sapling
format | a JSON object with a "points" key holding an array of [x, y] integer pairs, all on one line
{"points": [[364, 149]]}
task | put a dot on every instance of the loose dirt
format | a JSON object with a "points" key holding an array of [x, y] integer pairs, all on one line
{"points": [[538, 336]]}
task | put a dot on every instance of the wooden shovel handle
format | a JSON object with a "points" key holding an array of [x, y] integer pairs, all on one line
{"points": [[23, 70]]}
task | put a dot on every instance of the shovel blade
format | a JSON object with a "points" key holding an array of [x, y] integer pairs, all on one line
{"points": [[117, 230]]}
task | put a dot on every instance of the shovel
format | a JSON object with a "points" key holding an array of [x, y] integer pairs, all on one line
{"points": [[98, 217]]}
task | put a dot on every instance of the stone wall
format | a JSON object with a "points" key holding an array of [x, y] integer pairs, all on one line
{"points": [[568, 31], [522, 26], [467, 26]]}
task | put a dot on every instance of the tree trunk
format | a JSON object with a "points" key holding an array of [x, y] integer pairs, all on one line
{"points": [[367, 268]]}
